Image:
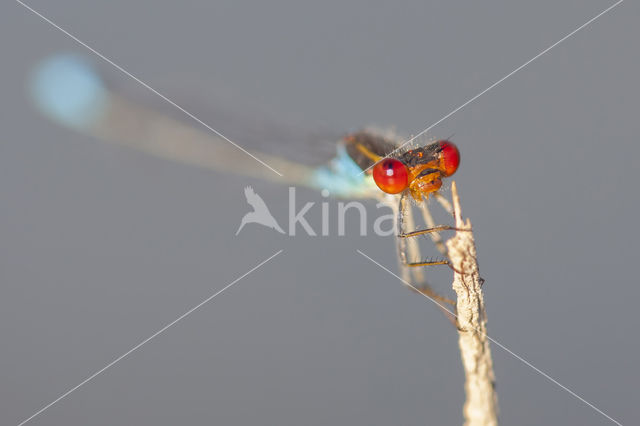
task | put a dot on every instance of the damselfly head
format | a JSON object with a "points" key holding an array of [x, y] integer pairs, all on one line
{"points": [[420, 169]]}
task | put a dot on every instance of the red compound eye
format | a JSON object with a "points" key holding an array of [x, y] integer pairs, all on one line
{"points": [[391, 175], [449, 157]]}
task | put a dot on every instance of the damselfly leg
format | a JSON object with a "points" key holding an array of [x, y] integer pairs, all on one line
{"points": [[409, 252]]}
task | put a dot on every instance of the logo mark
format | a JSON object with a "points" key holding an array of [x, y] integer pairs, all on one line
{"points": [[260, 214]]}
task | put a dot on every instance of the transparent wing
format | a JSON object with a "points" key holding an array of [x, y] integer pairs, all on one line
{"points": [[68, 89]]}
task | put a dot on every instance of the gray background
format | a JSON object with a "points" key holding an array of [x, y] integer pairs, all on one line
{"points": [[100, 246]]}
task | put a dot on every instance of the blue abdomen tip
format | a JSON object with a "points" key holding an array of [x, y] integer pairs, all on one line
{"points": [[66, 88]]}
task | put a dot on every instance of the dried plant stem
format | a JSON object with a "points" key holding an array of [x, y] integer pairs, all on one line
{"points": [[481, 405]]}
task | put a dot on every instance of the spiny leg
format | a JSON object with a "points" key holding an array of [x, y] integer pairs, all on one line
{"points": [[404, 215], [406, 242], [428, 220], [410, 247], [433, 231], [407, 246]]}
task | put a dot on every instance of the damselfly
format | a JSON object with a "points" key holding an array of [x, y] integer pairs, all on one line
{"points": [[367, 164]]}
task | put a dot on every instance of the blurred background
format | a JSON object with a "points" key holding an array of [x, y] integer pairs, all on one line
{"points": [[102, 246]]}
